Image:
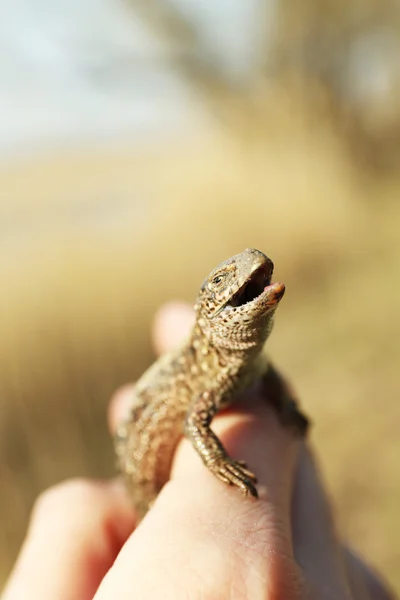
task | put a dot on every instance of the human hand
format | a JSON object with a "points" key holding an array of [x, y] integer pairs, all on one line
{"points": [[201, 539]]}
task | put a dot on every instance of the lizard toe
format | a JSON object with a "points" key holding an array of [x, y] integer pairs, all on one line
{"points": [[236, 473]]}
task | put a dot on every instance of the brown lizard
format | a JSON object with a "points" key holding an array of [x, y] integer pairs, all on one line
{"points": [[181, 393]]}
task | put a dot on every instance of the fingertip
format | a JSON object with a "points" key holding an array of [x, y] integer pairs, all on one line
{"points": [[119, 405], [171, 323]]}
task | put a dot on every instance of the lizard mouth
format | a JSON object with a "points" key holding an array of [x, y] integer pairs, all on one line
{"points": [[258, 285]]}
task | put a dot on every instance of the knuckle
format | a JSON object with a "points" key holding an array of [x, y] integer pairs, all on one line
{"points": [[74, 492]]}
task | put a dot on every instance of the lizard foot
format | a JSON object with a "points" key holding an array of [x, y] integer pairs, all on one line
{"points": [[235, 473]]}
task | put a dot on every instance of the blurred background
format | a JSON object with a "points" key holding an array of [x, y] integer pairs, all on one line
{"points": [[144, 141]]}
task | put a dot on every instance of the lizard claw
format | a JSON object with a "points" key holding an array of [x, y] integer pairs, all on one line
{"points": [[242, 463], [235, 473]]}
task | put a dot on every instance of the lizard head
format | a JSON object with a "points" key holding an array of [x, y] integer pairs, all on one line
{"points": [[237, 301]]}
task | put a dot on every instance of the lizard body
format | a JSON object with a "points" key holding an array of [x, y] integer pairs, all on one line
{"points": [[180, 394]]}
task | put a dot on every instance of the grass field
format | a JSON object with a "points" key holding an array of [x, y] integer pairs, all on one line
{"points": [[94, 241]]}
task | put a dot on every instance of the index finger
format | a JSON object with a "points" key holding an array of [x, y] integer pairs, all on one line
{"points": [[198, 521], [203, 535]]}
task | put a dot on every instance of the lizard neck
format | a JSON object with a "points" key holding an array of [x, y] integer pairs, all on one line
{"points": [[228, 355], [228, 368], [247, 338]]}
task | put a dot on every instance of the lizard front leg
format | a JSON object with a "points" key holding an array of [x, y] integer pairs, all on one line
{"points": [[210, 449]]}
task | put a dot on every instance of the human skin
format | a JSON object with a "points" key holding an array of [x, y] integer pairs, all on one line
{"points": [[201, 539]]}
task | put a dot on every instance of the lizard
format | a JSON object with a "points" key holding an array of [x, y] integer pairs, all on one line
{"points": [[183, 390]]}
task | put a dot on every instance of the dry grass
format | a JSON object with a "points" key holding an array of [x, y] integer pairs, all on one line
{"points": [[93, 243]]}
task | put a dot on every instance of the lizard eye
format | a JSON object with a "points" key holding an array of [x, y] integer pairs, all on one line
{"points": [[217, 279]]}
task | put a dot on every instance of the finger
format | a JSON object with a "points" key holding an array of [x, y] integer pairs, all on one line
{"points": [[171, 324], [119, 406], [204, 536], [250, 431], [315, 542], [364, 582], [76, 531]]}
